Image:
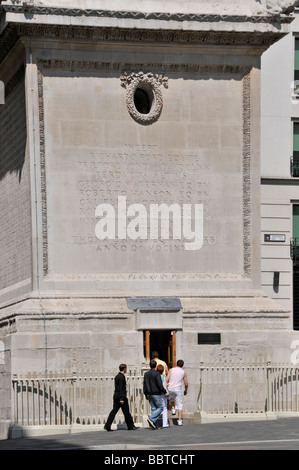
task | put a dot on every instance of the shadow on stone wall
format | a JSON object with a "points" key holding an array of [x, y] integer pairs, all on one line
{"points": [[13, 132]]}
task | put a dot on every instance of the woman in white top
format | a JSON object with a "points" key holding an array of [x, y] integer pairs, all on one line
{"points": [[175, 379]]}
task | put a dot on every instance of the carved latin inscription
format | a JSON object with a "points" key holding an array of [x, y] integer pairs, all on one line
{"points": [[144, 174]]}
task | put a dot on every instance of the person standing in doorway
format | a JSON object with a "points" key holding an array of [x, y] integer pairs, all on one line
{"points": [[155, 356], [175, 379], [120, 400], [153, 389]]}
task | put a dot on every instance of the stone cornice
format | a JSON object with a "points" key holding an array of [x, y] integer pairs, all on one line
{"points": [[157, 16], [234, 38], [120, 34], [33, 20], [14, 31]]}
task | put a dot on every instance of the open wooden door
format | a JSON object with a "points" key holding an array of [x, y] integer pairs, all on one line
{"points": [[147, 352], [162, 341], [172, 350]]}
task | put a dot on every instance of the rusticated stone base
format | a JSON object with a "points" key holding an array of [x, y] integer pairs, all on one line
{"points": [[98, 333]]}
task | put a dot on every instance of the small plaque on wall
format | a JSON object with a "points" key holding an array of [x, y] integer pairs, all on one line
{"points": [[275, 237], [209, 338]]}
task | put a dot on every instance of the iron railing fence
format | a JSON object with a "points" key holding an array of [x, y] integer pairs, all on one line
{"points": [[249, 388], [68, 398], [85, 398]]}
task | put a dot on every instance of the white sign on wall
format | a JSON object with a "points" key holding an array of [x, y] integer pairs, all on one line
{"points": [[2, 93]]}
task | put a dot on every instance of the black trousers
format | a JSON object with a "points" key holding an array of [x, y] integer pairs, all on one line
{"points": [[125, 409]]}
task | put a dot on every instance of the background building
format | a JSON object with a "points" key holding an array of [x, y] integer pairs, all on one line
{"points": [[279, 171]]}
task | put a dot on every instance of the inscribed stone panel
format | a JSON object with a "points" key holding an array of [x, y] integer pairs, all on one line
{"points": [[95, 153]]}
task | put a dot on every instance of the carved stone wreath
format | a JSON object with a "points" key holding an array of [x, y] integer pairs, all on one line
{"points": [[151, 84]]}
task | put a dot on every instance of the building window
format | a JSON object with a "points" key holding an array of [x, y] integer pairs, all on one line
{"points": [[296, 73], [295, 158]]}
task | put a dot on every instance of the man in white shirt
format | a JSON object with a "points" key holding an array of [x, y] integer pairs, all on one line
{"points": [[175, 379]]}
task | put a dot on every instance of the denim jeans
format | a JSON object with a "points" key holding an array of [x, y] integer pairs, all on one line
{"points": [[156, 406]]}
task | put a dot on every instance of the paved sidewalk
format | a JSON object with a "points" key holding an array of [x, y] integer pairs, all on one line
{"points": [[280, 434]]}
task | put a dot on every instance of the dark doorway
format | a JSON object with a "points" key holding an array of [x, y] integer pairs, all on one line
{"points": [[162, 341]]}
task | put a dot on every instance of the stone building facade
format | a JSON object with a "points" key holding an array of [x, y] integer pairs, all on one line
{"points": [[109, 113]]}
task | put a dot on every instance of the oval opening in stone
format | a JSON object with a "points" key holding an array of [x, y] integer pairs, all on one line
{"points": [[142, 101]]}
